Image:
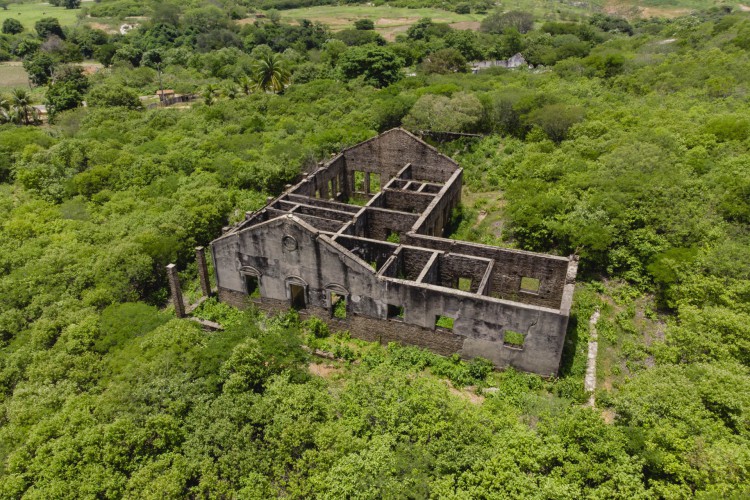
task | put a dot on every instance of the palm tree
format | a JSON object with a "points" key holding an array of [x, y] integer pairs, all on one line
{"points": [[4, 109], [270, 73], [229, 90], [21, 103], [209, 93], [246, 84]]}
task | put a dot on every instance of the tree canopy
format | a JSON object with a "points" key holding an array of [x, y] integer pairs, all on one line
{"points": [[627, 144]]}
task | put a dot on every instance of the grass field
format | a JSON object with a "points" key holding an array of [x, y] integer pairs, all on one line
{"points": [[12, 75], [30, 13], [389, 21]]}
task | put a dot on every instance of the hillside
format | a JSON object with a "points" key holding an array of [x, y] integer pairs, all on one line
{"points": [[627, 143]]}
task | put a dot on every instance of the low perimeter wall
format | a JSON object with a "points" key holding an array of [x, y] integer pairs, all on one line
{"points": [[361, 327]]}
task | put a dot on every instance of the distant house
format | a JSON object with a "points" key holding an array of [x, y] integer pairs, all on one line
{"points": [[514, 62], [165, 94]]}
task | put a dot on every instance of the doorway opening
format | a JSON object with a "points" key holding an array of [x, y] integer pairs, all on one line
{"points": [[297, 294]]}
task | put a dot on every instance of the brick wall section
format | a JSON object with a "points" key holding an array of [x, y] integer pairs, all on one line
{"points": [[317, 222], [406, 201], [438, 214], [233, 298], [380, 222], [510, 267], [331, 175], [317, 202], [387, 154], [324, 213], [452, 267], [361, 327], [414, 261]]}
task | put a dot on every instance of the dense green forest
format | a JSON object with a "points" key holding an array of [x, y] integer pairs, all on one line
{"points": [[628, 143]]}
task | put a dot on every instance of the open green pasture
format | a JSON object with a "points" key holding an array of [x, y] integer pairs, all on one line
{"points": [[12, 75], [389, 21], [30, 13]]}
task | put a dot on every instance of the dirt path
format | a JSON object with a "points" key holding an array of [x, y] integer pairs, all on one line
{"points": [[590, 380]]}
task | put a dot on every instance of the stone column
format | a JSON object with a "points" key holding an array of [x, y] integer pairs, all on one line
{"points": [[174, 285], [200, 259]]}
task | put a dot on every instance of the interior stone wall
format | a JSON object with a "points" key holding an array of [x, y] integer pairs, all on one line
{"points": [[389, 152], [510, 267]]}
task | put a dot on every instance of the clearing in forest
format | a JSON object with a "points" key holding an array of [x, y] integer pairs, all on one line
{"points": [[633, 9], [30, 13], [389, 21], [13, 75]]}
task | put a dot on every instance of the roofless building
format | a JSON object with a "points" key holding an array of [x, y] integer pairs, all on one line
{"points": [[359, 244]]}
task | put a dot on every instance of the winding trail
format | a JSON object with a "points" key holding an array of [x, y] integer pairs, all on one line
{"points": [[589, 382]]}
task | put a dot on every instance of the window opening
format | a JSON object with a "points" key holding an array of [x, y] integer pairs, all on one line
{"points": [[444, 322], [339, 306], [395, 312], [374, 182], [359, 181], [252, 286], [513, 339], [464, 284], [530, 285]]}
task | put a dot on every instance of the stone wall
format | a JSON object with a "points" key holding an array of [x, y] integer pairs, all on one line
{"points": [[389, 152], [452, 267], [437, 215], [406, 201], [510, 266], [381, 223], [361, 327]]}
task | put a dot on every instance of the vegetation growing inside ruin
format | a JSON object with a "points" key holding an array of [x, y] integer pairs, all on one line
{"points": [[628, 144]]}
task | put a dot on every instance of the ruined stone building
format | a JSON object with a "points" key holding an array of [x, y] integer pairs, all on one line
{"points": [[359, 243]]}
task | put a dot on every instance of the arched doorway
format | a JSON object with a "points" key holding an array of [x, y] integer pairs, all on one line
{"points": [[251, 278], [338, 300]]}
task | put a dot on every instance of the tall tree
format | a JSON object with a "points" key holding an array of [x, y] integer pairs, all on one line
{"points": [[246, 84], [12, 26], [21, 103], [47, 26], [498, 22], [4, 109], [380, 67], [270, 73], [209, 94], [40, 67]]}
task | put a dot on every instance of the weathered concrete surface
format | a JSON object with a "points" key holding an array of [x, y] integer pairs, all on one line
{"points": [[589, 382], [308, 247], [174, 287], [200, 260]]}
